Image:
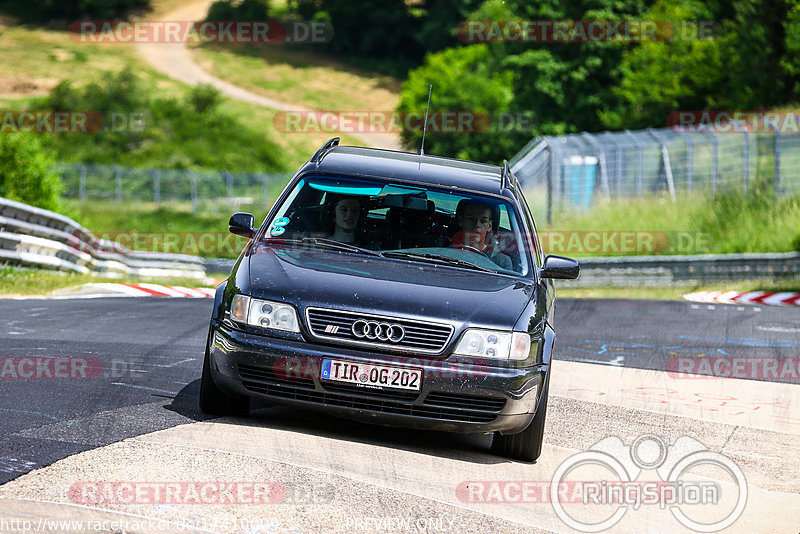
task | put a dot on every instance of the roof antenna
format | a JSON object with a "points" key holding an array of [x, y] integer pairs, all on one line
{"points": [[425, 126]]}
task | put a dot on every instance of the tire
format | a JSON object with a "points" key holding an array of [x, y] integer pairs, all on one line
{"points": [[214, 401], [525, 446]]}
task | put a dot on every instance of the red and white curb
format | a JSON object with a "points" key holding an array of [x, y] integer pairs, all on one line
{"points": [[110, 289], [155, 290], [765, 298]]}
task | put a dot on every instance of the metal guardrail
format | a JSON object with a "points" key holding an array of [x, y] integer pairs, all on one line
{"points": [[41, 238], [660, 271]]}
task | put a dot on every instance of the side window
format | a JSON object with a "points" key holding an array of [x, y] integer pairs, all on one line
{"points": [[533, 236]]}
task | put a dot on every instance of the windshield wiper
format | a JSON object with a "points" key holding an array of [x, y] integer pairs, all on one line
{"points": [[436, 258], [322, 242]]}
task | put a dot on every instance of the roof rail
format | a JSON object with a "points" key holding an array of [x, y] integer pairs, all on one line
{"points": [[504, 179], [329, 144]]}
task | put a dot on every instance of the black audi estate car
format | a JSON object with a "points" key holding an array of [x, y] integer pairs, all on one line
{"points": [[394, 288]]}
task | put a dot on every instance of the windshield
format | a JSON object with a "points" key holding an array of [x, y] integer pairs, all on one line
{"points": [[420, 224]]}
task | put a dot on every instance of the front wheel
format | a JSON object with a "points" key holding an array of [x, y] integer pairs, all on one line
{"points": [[214, 401], [527, 445]]}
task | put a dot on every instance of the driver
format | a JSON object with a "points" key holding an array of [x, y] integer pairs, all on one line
{"points": [[474, 222]]}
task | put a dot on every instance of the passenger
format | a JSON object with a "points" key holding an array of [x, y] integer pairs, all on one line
{"points": [[474, 222], [343, 216]]}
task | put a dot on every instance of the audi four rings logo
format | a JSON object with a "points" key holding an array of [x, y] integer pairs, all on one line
{"points": [[380, 331]]}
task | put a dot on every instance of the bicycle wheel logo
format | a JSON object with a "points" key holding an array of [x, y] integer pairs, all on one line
{"points": [[620, 486]]}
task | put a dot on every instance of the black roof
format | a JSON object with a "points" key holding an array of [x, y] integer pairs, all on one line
{"points": [[407, 166]]}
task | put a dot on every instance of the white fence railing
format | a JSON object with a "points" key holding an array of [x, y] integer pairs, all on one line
{"points": [[35, 237], [574, 170]]}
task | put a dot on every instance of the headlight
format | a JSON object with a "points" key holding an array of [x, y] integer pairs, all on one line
{"points": [[494, 344], [264, 313]]}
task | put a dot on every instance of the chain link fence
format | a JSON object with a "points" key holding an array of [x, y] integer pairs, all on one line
{"points": [[572, 171], [86, 181]]}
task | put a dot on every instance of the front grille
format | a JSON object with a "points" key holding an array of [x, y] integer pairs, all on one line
{"points": [[466, 402], [265, 382], [359, 390], [420, 336]]}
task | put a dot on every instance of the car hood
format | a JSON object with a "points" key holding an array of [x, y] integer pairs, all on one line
{"points": [[308, 277]]}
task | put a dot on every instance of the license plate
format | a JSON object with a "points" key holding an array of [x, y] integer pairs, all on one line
{"points": [[371, 376]]}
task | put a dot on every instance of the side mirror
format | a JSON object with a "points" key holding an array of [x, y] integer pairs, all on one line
{"points": [[242, 224], [560, 267]]}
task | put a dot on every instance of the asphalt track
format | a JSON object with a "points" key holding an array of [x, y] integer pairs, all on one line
{"points": [[612, 356]]}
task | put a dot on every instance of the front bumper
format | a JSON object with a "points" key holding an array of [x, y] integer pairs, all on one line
{"points": [[454, 396]]}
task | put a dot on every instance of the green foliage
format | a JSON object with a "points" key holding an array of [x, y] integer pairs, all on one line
{"points": [[568, 84], [391, 36], [790, 62], [225, 10], [725, 70], [42, 11], [465, 80], [26, 172], [706, 55], [144, 130], [671, 73]]}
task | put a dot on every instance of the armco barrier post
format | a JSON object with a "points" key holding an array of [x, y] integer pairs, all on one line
{"points": [[229, 182], [118, 180], [777, 173], [156, 187], [193, 179], [82, 184], [689, 159], [745, 154]]}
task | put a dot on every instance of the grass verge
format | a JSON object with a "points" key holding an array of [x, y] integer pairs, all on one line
{"points": [[699, 224], [299, 77]]}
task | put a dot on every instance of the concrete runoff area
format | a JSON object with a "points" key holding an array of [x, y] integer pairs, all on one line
{"points": [[334, 475]]}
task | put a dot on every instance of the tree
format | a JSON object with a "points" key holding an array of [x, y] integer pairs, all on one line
{"points": [[27, 172], [682, 70], [69, 11], [468, 81]]}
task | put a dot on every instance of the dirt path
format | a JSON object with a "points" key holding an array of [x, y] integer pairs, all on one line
{"points": [[176, 61]]}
